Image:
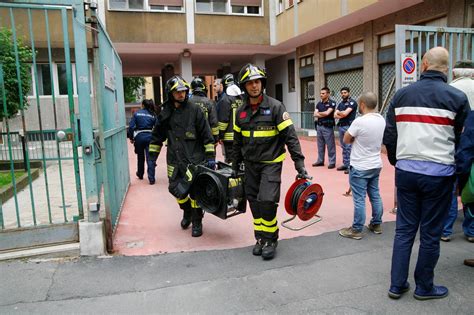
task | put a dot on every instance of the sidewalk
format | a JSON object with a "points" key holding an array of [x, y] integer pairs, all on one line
{"points": [[320, 274], [149, 222]]}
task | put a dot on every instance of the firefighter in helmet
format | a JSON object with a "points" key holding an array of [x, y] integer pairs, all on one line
{"points": [[262, 129], [228, 104], [190, 142], [208, 107]]}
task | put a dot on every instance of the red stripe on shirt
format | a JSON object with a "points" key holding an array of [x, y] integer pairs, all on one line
{"points": [[435, 120]]}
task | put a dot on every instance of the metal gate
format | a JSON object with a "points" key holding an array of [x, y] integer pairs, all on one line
{"points": [[419, 39], [113, 167], [65, 149], [354, 79]]}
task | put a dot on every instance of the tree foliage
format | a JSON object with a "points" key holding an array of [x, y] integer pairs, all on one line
{"points": [[131, 86], [8, 63]]}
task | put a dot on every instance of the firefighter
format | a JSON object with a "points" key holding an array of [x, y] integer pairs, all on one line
{"points": [[139, 133], [189, 142], [228, 104], [208, 107], [262, 128]]}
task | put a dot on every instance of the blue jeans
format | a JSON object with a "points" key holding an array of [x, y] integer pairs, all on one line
{"points": [[468, 222], [346, 148], [423, 203], [362, 183], [452, 215]]}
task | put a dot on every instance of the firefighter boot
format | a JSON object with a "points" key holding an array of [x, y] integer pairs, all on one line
{"points": [[197, 215], [186, 221], [257, 249], [269, 249]]}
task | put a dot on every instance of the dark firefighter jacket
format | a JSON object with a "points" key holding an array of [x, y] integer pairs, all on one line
{"points": [[228, 105], [261, 136], [208, 107], [189, 137]]}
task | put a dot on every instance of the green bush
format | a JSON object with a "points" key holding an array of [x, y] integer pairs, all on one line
{"points": [[8, 63]]}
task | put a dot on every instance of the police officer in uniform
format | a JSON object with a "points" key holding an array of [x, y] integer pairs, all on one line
{"points": [[262, 128], [324, 113], [231, 99], [139, 133], [208, 107], [190, 142], [346, 113]]}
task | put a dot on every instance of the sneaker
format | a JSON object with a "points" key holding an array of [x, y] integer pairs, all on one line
{"points": [[376, 228], [139, 177], [397, 292], [331, 166], [469, 262], [350, 233], [257, 249], [446, 238], [316, 164], [152, 182], [342, 168], [470, 239], [437, 292], [269, 250]]}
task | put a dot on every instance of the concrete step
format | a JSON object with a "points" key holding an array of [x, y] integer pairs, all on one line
{"points": [[51, 251]]}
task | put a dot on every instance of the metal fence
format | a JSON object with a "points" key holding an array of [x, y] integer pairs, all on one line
{"points": [[40, 146], [50, 194], [353, 79], [386, 86]]}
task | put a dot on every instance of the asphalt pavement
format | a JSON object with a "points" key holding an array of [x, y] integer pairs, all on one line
{"points": [[324, 274]]}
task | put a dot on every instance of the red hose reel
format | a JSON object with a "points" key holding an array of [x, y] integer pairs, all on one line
{"points": [[303, 199]]}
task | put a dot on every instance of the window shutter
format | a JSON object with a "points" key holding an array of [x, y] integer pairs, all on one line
{"points": [[174, 3], [252, 3]]}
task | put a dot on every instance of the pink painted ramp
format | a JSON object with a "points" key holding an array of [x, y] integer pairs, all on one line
{"points": [[150, 218]]}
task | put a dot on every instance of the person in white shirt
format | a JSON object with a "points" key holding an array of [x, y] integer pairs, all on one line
{"points": [[365, 134]]}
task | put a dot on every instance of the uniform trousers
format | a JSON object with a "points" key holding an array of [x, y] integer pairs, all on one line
{"points": [[142, 142], [262, 187], [326, 138], [346, 148]]}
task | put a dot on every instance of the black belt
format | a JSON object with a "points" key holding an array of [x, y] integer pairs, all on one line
{"points": [[325, 124], [343, 124]]}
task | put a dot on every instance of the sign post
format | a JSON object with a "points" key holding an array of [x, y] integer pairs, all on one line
{"points": [[408, 69]]}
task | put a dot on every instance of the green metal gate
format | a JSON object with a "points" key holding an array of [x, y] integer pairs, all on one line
{"points": [[65, 149], [419, 39], [113, 166]]}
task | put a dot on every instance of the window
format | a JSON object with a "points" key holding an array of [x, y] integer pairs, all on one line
{"points": [[280, 6], [211, 6], [127, 4], [247, 7], [306, 61], [62, 79], [291, 75], [44, 79], [169, 8]]}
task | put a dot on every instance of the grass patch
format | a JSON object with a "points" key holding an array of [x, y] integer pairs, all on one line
{"points": [[6, 178]]}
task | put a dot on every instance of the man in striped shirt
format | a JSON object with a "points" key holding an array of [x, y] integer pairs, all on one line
{"points": [[424, 123]]}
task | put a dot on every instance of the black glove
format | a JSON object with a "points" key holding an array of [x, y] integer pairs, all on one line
{"points": [[211, 163], [302, 173]]}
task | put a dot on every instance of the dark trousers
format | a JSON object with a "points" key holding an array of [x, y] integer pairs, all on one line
{"points": [[423, 202], [141, 150], [228, 151], [262, 187]]}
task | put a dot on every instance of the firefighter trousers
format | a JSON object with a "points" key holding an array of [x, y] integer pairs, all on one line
{"points": [[191, 210], [262, 187]]}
